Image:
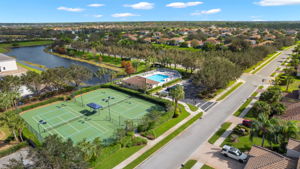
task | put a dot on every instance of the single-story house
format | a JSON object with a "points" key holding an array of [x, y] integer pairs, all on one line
{"points": [[139, 82], [7, 63]]}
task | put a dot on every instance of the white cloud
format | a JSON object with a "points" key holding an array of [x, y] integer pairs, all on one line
{"points": [[277, 2], [120, 15], [212, 11], [62, 8], [183, 4], [98, 16], [95, 5], [141, 5]]}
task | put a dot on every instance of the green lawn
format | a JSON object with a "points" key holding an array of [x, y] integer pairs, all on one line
{"points": [[163, 142], [192, 107], [245, 105], [228, 85], [29, 68], [293, 86], [229, 91], [116, 158], [273, 56], [244, 143], [206, 167], [218, 134], [161, 129], [189, 164]]}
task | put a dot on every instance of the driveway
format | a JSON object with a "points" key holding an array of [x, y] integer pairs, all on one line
{"points": [[210, 155]]}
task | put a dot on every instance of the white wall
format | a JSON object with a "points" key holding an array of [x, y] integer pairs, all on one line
{"points": [[8, 65]]}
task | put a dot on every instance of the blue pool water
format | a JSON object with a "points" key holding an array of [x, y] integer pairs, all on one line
{"points": [[158, 77]]}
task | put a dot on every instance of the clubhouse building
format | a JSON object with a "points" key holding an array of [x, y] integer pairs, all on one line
{"points": [[7, 63]]}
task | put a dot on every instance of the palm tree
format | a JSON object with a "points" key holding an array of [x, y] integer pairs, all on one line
{"points": [[263, 127], [177, 93], [9, 120], [288, 129]]}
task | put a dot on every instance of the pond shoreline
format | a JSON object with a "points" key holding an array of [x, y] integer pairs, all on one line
{"points": [[101, 65]]}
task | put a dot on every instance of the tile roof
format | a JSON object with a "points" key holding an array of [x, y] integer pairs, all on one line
{"points": [[139, 81], [261, 158], [293, 107], [294, 145], [4, 57]]}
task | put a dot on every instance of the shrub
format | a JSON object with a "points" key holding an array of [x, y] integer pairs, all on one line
{"points": [[150, 134], [241, 130]]}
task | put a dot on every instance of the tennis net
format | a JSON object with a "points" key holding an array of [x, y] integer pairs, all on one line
{"points": [[120, 101], [63, 123]]}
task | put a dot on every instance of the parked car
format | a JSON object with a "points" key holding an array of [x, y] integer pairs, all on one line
{"points": [[247, 123], [234, 153]]}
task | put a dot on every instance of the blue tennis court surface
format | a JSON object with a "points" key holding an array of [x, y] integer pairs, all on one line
{"points": [[158, 77]]}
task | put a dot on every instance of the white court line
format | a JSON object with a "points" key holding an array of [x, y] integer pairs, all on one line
{"points": [[40, 126]]}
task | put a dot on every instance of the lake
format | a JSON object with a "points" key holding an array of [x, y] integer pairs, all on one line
{"points": [[37, 55]]}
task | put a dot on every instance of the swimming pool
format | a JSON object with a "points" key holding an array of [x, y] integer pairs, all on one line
{"points": [[158, 77]]}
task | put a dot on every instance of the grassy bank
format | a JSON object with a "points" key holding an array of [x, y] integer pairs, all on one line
{"points": [[229, 91], [218, 134], [107, 66], [5, 47], [29, 68], [163, 142]]}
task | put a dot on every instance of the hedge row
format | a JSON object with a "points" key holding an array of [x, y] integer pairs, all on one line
{"points": [[52, 100], [135, 93], [13, 149]]}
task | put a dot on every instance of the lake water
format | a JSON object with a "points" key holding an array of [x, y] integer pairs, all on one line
{"points": [[37, 55]]}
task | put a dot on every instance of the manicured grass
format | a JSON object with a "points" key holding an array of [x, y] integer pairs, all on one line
{"points": [[192, 107], [116, 158], [228, 85], [244, 143], [293, 86], [206, 167], [218, 134], [161, 129], [229, 91], [274, 56], [245, 105], [29, 68], [189, 164], [258, 63], [163, 142]]}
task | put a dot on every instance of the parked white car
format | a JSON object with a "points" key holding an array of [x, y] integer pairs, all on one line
{"points": [[234, 153]]}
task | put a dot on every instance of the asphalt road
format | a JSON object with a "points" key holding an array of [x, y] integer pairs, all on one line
{"points": [[180, 148]]}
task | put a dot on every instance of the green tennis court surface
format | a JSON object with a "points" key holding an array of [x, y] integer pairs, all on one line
{"points": [[72, 120]]}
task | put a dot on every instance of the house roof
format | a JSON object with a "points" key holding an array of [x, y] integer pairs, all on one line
{"points": [[293, 107], [140, 81], [4, 57], [294, 145], [261, 158]]}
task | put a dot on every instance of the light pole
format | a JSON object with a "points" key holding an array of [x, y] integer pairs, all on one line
{"points": [[107, 101]]}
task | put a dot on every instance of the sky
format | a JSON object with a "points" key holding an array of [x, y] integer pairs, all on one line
{"points": [[35, 11]]}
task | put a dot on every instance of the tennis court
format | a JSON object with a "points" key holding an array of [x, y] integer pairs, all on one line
{"points": [[72, 120]]}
